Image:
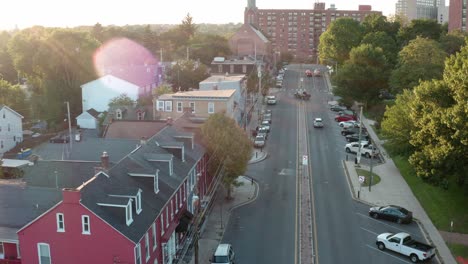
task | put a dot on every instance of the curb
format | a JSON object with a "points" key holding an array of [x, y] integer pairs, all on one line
{"points": [[258, 160]]}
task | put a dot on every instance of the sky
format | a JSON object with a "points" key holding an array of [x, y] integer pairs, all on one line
{"points": [[63, 13]]}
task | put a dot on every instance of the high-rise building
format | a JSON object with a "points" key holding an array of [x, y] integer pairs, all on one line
{"points": [[297, 31], [419, 9], [457, 10]]}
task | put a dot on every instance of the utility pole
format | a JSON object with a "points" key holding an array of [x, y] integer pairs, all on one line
{"points": [[371, 158], [360, 132], [69, 125]]}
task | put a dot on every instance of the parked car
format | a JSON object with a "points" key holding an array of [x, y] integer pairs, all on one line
{"points": [[266, 122], [263, 134], [367, 149], [352, 130], [337, 108], [403, 243], [308, 73], [271, 99], [318, 122], [340, 118], [60, 139], [259, 141], [392, 213], [317, 72], [264, 128], [355, 137], [348, 124]]}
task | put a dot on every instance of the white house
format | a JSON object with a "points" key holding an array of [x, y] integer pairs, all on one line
{"points": [[88, 119], [98, 93], [11, 129]]}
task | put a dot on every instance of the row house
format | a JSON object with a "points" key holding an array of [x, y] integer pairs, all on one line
{"points": [[11, 129], [135, 210], [199, 104], [245, 65]]}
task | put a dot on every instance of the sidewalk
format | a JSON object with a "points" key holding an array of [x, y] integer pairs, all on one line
{"points": [[393, 189]]}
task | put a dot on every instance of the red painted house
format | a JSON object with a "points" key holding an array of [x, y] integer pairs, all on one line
{"points": [[136, 210]]}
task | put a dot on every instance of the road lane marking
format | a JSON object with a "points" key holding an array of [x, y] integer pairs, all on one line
{"points": [[386, 253], [372, 232], [296, 235], [381, 222]]}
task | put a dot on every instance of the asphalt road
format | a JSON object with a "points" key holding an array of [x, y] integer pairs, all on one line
{"points": [[264, 231]]}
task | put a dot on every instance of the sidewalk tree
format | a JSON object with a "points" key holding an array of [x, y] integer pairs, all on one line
{"points": [[422, 59], [337, 41], [227, 145], [363, 75]]}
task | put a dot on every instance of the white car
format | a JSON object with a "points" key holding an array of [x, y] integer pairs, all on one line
{"points": [[367, 150], [403, 243], [318, 122], [259, 141], [348, 124], [271, 99]]}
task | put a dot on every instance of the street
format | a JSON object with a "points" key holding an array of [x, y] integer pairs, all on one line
{"points": [[266, 230]]}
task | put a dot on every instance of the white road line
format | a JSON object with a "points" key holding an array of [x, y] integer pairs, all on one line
{"points": [[383, 223], [372, 232], [388, 254]]}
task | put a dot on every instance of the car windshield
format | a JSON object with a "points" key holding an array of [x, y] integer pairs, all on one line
{"points": [[220, 259]]}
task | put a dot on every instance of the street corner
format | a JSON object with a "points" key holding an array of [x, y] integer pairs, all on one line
{"points": [[245, 193], [258, 156]]}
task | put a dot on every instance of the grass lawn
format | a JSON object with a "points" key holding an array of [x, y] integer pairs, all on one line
{"points": [[458, 250], [366, 173], [442, 206]]}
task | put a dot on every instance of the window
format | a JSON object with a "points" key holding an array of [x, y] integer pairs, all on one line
{"points": [[244, 67], [118, 114], [179, 107], [85, 225], [156, 182], [8, 126], [168, 106], [172, 210], [192, 106], [177, 202], [2, 251], [156, 261], [231, 68], [162, 224], [147, 247], [138, 254], [210, 108], [60, 223], [181, 193], [138, 202], [220, 70], [43, 251], [167, 217], [128, 214], [160, 105], [155, 242]]}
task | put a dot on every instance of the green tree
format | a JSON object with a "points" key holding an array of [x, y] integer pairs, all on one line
{"points": [[386, 42], [98, 32], [397, 124], [187, 74], [363, 75], [163, 89], [341, 36], [453, 41], [205, 47], [377, 23], [14, 97], [425, 28], [188, 27], [422, 59], [228, 146], [7, 69], [121, 100]]}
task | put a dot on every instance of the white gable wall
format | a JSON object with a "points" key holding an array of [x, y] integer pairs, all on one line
{"points": [[98, 93], [11, 129], [85, 120]]}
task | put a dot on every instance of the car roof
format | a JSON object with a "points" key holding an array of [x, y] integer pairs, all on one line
{"points": [[222, 250], [318, 119]]}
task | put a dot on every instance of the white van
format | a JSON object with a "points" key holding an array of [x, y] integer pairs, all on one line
{"points": [[224, 254]]}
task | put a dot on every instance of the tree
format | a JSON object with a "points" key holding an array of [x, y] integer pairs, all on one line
{"points": [[14, 97], [374, 23], [363, 75], [188, 27], [163, 89], [7, 69], [341, 36], [386, 42], [397, 124], [422, 59], [424, 28], [187, 74], [121, 100], [205, 47], [452, 42], [228, 146]]}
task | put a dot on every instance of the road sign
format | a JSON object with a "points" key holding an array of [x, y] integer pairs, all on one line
{"points": [[362, 179], [304, 159]]}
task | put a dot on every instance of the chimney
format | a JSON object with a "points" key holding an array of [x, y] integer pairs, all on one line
{"points": [[71, 196], [105, 161]]}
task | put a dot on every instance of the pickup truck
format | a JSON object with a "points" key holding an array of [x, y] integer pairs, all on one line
{"points": [[403, 243]]}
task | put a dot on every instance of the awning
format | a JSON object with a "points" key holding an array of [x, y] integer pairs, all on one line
{"points": [[184, 221]]}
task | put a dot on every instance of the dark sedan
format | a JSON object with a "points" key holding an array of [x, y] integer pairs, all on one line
{"points": [[337, 108], [60, 139], [355, 137], [392, 213]]}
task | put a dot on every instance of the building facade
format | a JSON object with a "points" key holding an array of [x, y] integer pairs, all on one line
{"points": [[458, 18], [11, 129], [297, 31], [420, 9]]}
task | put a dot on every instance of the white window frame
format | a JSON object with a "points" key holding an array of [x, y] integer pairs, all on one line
{"points": [[167, 217], [138, 202], [129, 214], [180, 107], [168, 106], [60, 221], [2, 250], [156, 182], [138, 254], [155, 238], [177, 202], [39, 252], [192, 107], [85, 230], [181, 195], [211, 107], [147, 251], [172, 209], [160, 105], [162, 224]]}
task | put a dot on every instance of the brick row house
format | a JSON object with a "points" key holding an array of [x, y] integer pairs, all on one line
{"points": [[135, 209]]}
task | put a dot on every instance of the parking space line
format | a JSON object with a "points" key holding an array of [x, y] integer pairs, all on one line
{"points": [[383, 223], [386, 253], [372, 232]]}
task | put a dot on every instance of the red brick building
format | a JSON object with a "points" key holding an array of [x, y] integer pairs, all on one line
{"points": [[298, 31], [458, 18]]}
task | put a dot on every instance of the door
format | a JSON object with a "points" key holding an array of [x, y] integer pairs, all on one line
{"points": [[394, 244]]}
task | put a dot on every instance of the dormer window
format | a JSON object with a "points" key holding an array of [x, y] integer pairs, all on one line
{"points": [[128, 214], [171, 169], [140, 115], [138, 202], [156, 182], [118, 114]]}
